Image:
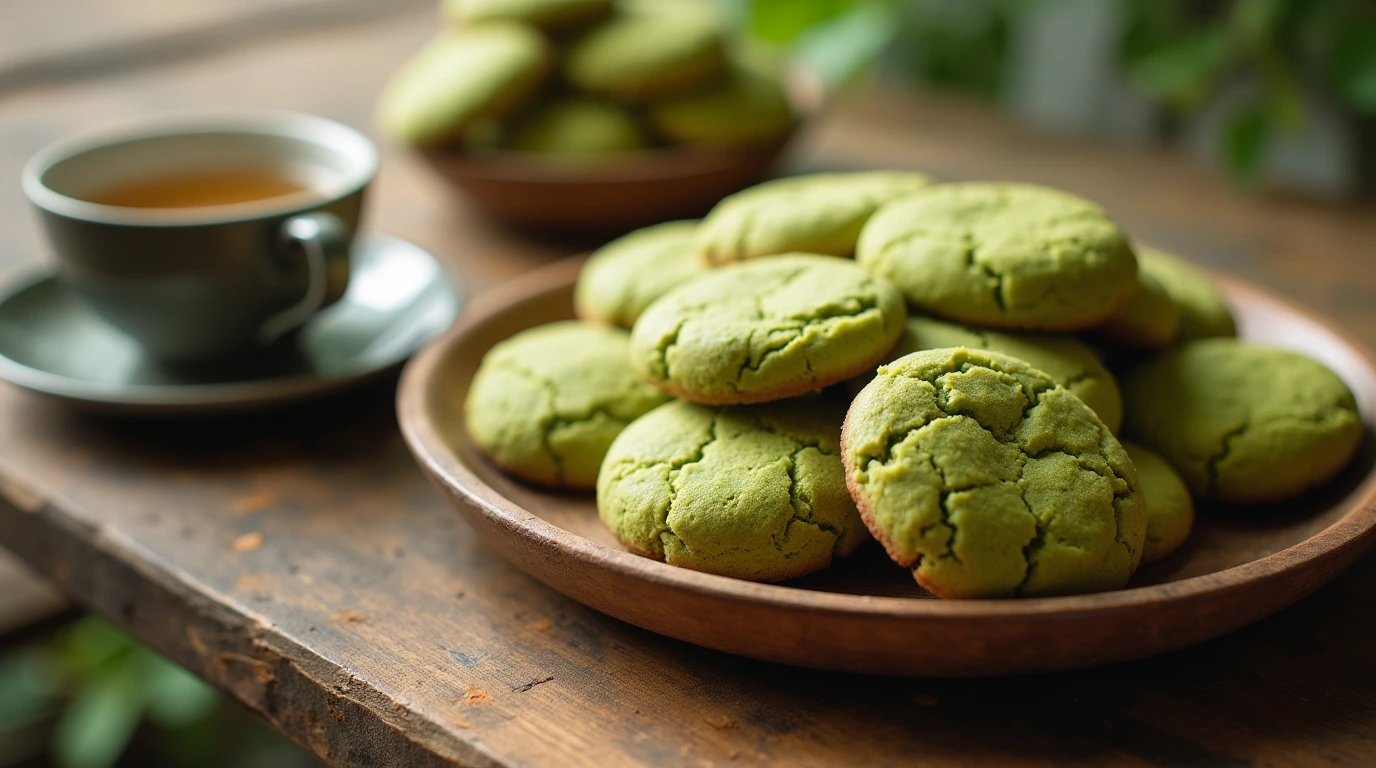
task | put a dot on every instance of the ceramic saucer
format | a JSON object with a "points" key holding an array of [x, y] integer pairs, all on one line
{"points": [[398, 299]]}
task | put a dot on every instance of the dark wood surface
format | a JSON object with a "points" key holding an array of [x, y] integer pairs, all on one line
{"points": [[302, 563]]}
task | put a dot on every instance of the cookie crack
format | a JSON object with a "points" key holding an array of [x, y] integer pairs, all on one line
{"points": [[667, 344], [944, 505], [676, 467], [797, 502], [1225, 449], [972, 261], [1031, 548]]}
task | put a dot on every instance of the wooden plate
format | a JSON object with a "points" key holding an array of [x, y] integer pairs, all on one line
{"points": [[867, 614]]}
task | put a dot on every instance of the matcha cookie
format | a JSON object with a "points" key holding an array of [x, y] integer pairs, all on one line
{"points": [[1242, 423], [648, 51], [748, 109], [752, 492], [1067, 361], [1002, 255], [545, 404], [1203, 311], [546, 14], [1170, 511], [817, 213], [622, 277], [574, 128], [1151, 319], [988, 479], [461, 78], [766, 329]]}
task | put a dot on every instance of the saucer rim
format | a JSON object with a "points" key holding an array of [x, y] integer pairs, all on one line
{"points": [[221, 396]]}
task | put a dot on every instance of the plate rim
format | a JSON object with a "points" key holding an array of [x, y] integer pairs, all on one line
{"points": [[1356, 527]]}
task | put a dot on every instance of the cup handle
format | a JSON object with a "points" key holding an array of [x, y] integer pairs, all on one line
{"points": [[324, 239]]}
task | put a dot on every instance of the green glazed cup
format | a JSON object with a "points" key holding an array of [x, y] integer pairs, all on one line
{"points": [[208, 284]]}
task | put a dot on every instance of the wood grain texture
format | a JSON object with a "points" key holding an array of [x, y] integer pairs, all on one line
{"points": [[371, 625]]}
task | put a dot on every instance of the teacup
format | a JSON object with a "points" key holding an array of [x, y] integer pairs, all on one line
{"points": [[205, 237]]}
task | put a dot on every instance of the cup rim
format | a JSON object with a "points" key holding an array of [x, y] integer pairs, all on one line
{"points": [[313, 129]]}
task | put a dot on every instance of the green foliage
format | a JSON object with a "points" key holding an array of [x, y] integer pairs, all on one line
{"points": [[783, 21], [847, 44], [97, 726], [1181, 52], [102, 687], [1353, 66]]}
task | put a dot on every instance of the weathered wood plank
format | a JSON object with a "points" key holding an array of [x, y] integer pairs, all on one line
{"points": [[372, 627]]}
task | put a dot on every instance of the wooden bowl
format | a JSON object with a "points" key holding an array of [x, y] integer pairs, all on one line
{"points": [[610, 196], [617, 194], [866, 614]]}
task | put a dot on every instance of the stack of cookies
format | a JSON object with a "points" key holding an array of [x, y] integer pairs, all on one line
{"points": [[585, 78], [829, 358]]}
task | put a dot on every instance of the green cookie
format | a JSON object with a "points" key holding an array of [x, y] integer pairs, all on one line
{"points": [[1002, 255], [574, 128], [752, 492], [648, 51], [1203, 311], [1242, 423], [766, 329], [461, 78], [748, 109], [817, 213], [1170, 511], [1152, 318], [546, 403], [546, 14], [990, 480], [624, 276], [1067, 361]]}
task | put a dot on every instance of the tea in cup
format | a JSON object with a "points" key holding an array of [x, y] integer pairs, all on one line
{"points": [[205, 237]]}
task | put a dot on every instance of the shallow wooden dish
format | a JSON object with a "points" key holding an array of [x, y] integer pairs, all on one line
{"points": [[609, 196], [619, 193], [867, 614]]}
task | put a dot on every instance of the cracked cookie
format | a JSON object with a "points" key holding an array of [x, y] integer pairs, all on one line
{"points": [[749, 108], [1170, 510], [545, 403], [988, 479], [648, 51], [1203, 311], [766, 329], [461, 77], [624, 276], [1242, 423], [752, 492], [817, 213], [1066, 360], [1002, 255]]}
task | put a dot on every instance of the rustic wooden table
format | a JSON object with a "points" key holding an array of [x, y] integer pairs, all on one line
{"points": [[302, 564]]}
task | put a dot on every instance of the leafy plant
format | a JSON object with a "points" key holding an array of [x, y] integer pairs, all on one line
{"points": [[1180, 52], [1183, 52], [93, 689]]}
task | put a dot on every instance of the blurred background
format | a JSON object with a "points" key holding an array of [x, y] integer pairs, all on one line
{"points": [[1278, 96], [1273, 92]]}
